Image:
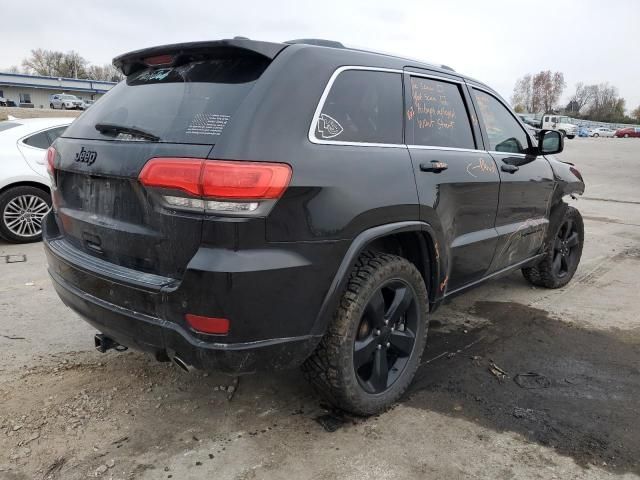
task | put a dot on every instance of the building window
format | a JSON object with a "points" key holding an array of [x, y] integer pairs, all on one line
{"points": [[1, 94], [25, 98]]}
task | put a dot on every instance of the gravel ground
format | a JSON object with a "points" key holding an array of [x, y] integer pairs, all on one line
{"points": [[517, 382]]}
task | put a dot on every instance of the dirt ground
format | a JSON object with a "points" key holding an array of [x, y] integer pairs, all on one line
{"points": [[516, 382]]}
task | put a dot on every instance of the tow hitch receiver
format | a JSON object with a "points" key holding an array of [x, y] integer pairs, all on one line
{"points": [[104, 343]]}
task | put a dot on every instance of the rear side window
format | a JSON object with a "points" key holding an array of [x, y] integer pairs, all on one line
{"points": [[189, 103], [437, 115], [364, 107], [504, 132], [39, 140], [54, 133]]}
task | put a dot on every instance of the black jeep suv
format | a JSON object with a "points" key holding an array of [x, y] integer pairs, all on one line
{"points": [[238, 205]]}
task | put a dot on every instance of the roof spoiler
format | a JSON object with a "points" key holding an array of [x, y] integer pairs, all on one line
{"points": [[131, 62]]}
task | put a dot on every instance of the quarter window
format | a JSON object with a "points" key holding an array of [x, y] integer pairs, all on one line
{"points": [[363, 106], [39, 140], [437, 115], [504, 132], [54, 133]]}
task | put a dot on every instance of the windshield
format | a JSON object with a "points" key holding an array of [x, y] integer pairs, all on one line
{"points": [[190, 103], [7, 125], [68, 97]]}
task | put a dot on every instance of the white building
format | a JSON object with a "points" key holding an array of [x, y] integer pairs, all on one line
{"points": [[33, 90]]}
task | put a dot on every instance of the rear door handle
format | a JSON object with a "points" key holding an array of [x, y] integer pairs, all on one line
{"points": [[509, 168], [434, 166]]}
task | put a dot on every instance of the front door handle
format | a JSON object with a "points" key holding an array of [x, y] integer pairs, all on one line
{"points": [[433, 166], [509, 168]]}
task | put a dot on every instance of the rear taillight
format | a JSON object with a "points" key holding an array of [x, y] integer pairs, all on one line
{"points": [[51, 168], [217, 186]]}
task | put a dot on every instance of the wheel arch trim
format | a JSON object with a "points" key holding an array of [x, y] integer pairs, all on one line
{"points": [[358, 245]]}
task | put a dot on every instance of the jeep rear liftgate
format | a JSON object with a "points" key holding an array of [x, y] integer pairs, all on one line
{"points": [[172, 106]]}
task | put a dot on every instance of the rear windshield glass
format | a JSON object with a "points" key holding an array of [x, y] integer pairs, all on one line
{"points": [[190, 103], [8, 125]]}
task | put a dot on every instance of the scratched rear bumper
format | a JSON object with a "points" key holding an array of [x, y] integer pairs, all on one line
{"points": [[165, 339]]}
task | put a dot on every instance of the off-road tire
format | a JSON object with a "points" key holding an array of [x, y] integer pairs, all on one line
{"points": [[571, 137], [330, 368], [542, 274]]}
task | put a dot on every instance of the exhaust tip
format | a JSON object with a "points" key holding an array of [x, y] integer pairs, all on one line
{"points": [[182, 364]]}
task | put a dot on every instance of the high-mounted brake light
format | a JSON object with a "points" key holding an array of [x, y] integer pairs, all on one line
{"points": [[158, 60], [216, 185]]}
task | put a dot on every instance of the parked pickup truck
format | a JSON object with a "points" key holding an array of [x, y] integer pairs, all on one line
{"points": [[560, 124]]}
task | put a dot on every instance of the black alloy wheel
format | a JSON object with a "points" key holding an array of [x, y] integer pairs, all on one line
{"points": [[386, 336], [565, 248], [562, 252], [373, 344]]}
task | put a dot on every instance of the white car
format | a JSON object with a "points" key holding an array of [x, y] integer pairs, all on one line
{"points": [[602, 132], [25, 197], [65, 101]]}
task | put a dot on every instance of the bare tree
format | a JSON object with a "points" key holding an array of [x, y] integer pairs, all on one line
{"points": [[523, 94], [74, 65], [606, 104], [106, 72], [539, 92], [636, 114], [55, 64], [547, 88], [580, 98]]}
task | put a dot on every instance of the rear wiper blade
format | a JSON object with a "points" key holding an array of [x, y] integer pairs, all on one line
{"points": [[110, 128]]}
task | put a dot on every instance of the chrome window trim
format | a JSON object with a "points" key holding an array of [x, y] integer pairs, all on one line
{"points": [[453, 149], [314, 121], [435, 77], [494, 152]]}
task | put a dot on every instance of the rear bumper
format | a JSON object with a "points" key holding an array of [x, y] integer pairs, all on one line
{"points": [[272, 308], [166, 339]]}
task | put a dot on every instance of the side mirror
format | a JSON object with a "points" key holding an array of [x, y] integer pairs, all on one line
{"points": [[550, 142]]}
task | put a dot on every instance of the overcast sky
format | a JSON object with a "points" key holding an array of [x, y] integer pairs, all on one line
{"points": [[493, 41]]}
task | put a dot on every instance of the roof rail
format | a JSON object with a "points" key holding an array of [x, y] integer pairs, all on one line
{"points": [[447, 67], [317, 41]]}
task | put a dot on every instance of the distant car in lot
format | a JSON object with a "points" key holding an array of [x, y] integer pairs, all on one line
{"points": [[628, 132], [583, 131], [24, 182], [65, 101], [87, 103], [602, 132]]}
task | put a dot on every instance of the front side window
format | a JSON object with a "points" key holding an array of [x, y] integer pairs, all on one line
{"points": [[363, 106], [437, 115], [504, 132]]}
